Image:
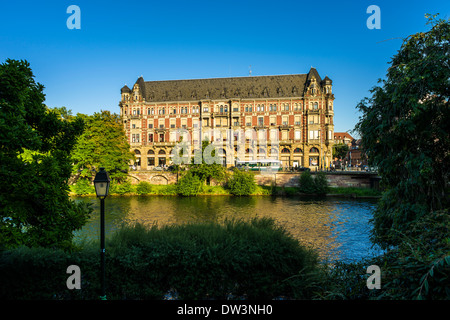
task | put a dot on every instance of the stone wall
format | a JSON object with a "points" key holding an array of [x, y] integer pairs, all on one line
{"points": [[335, 179], [153, 177], [341, 179]]}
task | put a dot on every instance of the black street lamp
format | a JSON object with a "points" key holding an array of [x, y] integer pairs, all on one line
{"points": [[101, 183]]}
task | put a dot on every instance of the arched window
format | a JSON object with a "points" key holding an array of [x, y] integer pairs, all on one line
{"points": [[151, 152], [298, 150], [285, 150], [162, 152], [314, 150]]}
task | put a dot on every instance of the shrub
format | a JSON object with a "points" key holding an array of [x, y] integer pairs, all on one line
{"points": [[121, 188], [143, 188], [83, 187], [241, 183], [200, 261], [306, 183], [189, 185], [317, 185], [210, 260], [321, 183]]}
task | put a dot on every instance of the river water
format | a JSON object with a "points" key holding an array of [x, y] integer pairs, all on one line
{"points": [[338, 228]]}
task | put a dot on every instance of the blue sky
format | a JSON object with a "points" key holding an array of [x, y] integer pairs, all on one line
{"points": [[119, 41]]}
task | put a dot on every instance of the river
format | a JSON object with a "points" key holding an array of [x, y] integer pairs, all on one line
{"points": [[338, 228]]}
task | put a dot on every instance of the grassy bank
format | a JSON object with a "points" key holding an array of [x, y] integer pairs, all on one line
{"points": [[144, 188], [159, 190]]}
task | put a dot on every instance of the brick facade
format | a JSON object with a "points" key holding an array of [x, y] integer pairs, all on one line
{"points": [[297, 108]]}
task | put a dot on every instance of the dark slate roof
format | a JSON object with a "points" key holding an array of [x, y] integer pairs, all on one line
{"points": [[125, 89], [227, 88]]}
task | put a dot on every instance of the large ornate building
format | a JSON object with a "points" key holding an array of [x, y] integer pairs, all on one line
{"points": [[293, 113]]}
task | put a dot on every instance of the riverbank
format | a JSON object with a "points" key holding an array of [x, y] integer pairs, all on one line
{"points": [[170, 190]]}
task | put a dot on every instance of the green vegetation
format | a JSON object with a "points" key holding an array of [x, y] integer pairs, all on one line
{"points": [[340, 150], [36, 143], [310, 185], [405, 132], [404, 128], [189, 185], [241, 183], [102, 144], [256, 258]]}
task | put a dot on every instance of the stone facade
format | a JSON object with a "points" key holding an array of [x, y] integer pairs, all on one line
{"points": [[297, 110], [281, 179]]}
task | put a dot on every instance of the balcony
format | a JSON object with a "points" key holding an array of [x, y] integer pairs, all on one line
{"points": [[221, 114]]}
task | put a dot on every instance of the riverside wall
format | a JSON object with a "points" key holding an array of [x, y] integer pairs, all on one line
{"points": [[280, 179]]}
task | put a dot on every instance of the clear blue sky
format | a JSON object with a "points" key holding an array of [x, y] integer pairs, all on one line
{"points": [[119, 41]]}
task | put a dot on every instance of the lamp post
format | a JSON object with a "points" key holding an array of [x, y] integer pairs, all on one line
{"points": [[101, 183]]}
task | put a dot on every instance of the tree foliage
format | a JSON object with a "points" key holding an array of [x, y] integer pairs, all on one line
{"points": [[206, 172], [103, 144], [405, 129], [189, 185], [310, 185], [340, 150], [36, 142], [241, 183]]}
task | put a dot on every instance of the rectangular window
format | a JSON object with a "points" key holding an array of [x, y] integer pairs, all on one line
{"points": [[260, 121], [297, 134]]}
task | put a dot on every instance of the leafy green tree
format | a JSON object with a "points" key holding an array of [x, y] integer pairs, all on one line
{"points": [[340, 150], [405, 129], [207, 172], [103, 144], [35, 209], [321, 183], [241, 183], [317, 185], [306, 183]]}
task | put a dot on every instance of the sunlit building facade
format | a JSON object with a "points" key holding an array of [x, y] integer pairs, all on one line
{"points": [[289, 117]]}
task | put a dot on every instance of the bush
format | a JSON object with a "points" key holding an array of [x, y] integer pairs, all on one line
{"points": [[317, 185], [143, 188], [241, 183], [83, 187], [321, 183], [121, 188], [209, 260], [307, 183], [189, 185], [200, 261]]}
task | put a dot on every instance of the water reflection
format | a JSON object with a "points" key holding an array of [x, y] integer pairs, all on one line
{"points": [[337, 228]]}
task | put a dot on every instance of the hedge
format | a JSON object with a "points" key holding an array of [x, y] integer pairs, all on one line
{"points": [[255, 259]]}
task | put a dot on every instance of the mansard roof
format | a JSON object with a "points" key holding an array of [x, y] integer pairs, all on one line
{"points": [[292, 85]]}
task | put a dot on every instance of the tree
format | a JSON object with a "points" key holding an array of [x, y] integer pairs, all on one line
{"points": [[207, 172], [405, 129], [103, 144], [35, 209], [241, 183], [340, 150], [189, 185], [317, 185]]}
